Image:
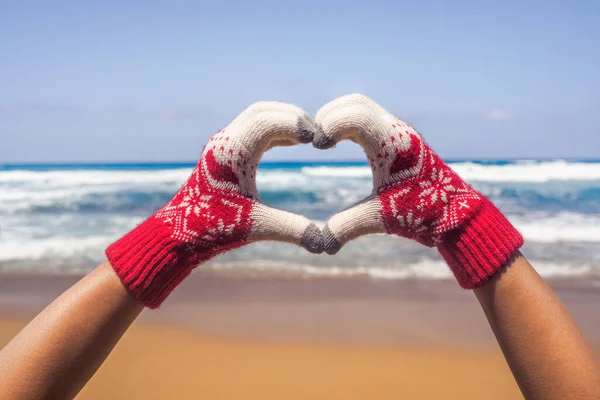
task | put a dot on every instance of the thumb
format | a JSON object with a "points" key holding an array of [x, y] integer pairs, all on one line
{"points": [[282, 226], [361, 219]]}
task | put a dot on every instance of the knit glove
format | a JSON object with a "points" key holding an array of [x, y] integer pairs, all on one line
{"points": [[218, 208], [415, 194]]}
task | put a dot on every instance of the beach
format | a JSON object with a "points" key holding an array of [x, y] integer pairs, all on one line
{"points": [[381, 319], [230, 338], [230, 133]]}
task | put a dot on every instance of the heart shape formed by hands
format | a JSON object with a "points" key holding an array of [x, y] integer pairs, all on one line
{"points": [[415, 195]]}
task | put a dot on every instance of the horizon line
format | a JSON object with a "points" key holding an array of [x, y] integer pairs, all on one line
{"points": [[362, 161]]}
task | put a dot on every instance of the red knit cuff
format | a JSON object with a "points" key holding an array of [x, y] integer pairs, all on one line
{"points": [[482, 247], [149, 262]]}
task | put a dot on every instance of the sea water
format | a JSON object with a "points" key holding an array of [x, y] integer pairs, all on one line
{"points": [[59, 218]]}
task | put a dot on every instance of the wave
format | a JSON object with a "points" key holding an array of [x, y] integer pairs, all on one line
{"points": [[46, 239], [346, 172], [73, 215], [327, 200], [80, 178], [520, 171], [76, 237], [421, 269], [529, 171], [53, 247], [562, 227], [30, 216], [424, 268], [86, 201], [133, 191], [123, 191], [45, 256]]}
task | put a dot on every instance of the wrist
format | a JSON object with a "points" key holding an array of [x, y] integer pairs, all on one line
{"points": [[478, 250], [150, 262]]}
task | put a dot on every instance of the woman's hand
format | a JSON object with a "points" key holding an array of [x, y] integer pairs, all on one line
{"points": [[415, 194], [218, 208]]}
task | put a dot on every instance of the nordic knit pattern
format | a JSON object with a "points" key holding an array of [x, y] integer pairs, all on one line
{"points": [[415, 194], [218, 208]]}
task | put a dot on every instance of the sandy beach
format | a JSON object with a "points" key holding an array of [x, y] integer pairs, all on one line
{"points": [[156, 362], [230, 338], [226, 135]]}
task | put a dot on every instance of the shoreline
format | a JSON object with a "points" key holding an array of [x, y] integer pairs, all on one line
{"points": [[318, 310]]}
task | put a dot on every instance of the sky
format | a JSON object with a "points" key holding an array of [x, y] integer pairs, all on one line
{"points": [[98, 81]]}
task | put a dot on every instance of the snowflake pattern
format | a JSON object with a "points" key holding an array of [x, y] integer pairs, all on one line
{"points": [[436, 188], [204, 213], [427, 207]]}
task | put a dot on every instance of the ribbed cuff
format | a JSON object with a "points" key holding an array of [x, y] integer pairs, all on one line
{"points": [[482, 247], [149, 262]]}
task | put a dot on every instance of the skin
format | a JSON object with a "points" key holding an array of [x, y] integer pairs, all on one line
{"points": [[543, 345], [55, 355], [60, 350]]}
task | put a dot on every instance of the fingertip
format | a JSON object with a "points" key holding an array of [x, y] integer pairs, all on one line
{"points": [[306, 130], [312, 239], [322, 141], [330, 243]]}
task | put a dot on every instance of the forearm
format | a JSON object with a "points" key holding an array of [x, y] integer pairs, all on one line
{"points": [[543, 345], [59, 351], [418, 196], [216, 210]]}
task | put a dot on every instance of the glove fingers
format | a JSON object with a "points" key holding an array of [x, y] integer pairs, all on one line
{"points": [[361, 219], [392, 146], [354, 117], [282, 226], [232, 155], [269, 124]]}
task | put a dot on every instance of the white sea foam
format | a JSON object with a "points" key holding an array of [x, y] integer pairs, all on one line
{"points": [[94, 177], [52, 248], [562, 227], [523, 171], [33, 254], [552, 269], [23, 190], [46, 186], [546, 213], [282, 180], [422, 269], [345, 172]]}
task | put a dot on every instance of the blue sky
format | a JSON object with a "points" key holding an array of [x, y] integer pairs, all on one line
{"points": [[149, 80]]}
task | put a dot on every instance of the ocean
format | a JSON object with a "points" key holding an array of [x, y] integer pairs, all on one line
{"points": [[59, 218]]}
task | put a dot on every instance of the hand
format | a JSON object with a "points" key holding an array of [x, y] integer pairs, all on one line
{"points": [[415, 194], [218, 208]]}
